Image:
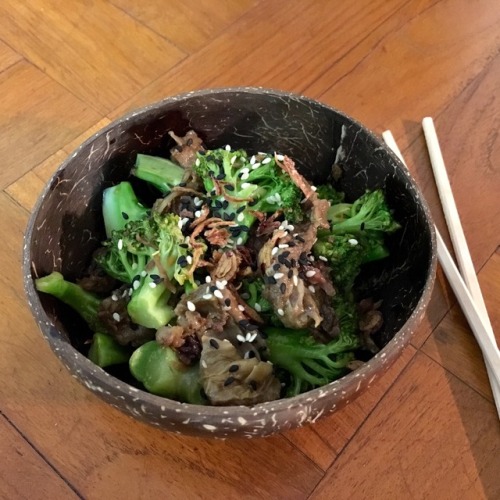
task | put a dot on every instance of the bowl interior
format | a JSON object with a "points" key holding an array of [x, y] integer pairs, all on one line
{"points": [[66, 225]]}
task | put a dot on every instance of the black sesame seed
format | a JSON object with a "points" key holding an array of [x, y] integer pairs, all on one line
{"points": [[202, 153], [299, 238], [276, 266], [244, 228], [210, 158], [228, 381], [231, 217], [229, 187], [136, 278], [292, 244], [303, 256], [184, 245], [217, 204], [235, 230], [243, 323], [285, 254], [212, 289], [225, 204], [155, 278], [251, 327], [287, 263], [271, 280], [252, 203], [240, 209], [227, 302], [220, 176], [362, 227], [293, 262], [290, 274], [253, 384], [251, 354], [282, 288], [234, 368], [216, 214], [182, 184], [189, 142], [178, 148], [125, 215], [214, 343]]}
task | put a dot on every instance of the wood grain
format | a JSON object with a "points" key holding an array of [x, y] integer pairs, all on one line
{"points": [[400, 454], [452, 343], [18, 457], [427, 429], [91, 47], [34, 127], [189, 25]]}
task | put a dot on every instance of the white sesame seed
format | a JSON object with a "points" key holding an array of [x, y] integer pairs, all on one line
{"points": [[274, 251], [252, 160], [353, 242], [241, 338], [197, 213], [311, 258], [136, 284], [120, 244], [245, 176], [130, 291], [203, 363], [278, 276], [218, 294], [180, 223], [239, 241], [197, 201], [295, 280], [144, 274], [290, 227], [265, 161], [233, 159], [283, 245], [323, 258], [208, 279], [253, 336], [310, 274], [134, 265], [228, 147], [240, 217], [279, 157], [314, 188], [124, 294], [278, 197], [191, 306], [221, 284], [197, 162], [114, 297], [189, 259], [246, 185], [241, 308], [281, 312], [116, 317], [184, 220], [271, 199], [207, 296], [255, 166], [257, 307], [245, 170], [312, 289], [152, 284]]}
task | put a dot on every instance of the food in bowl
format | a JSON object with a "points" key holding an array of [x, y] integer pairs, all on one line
{"points": [[237, 284], [66, 227]]}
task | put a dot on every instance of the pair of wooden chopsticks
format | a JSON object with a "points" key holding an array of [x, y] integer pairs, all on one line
{"points": [[464, 283]]}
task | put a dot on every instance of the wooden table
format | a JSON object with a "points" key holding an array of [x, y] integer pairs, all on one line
{"points": [[428, 429]]}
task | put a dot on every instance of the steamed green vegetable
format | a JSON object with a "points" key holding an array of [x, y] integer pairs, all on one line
{"points": [[106, 351], [160, 172], [161, 373]]}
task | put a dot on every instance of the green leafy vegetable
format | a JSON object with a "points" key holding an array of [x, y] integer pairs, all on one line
{"points": [[106, 351], [160, 172], [161, 373]]}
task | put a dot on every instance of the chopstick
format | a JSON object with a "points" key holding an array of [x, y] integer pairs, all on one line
{"points": [[473, 306]]}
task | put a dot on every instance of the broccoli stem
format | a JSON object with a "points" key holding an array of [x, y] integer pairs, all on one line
{"points": [[148, 306], [160, 172], [86, 304], [161, 373], [105, 351], [119, 206]]}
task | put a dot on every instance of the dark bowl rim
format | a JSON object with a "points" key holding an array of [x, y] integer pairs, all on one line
{"points": [[77, 363]]}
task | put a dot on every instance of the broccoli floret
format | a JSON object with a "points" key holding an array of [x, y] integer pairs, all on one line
{"points": [[86, 304], [309, 363], [152, 255], [247, 185], [328, 192], [368, 213], [160, 172], [119, 206], [162, 373], [356, 236], [251, 291]]}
